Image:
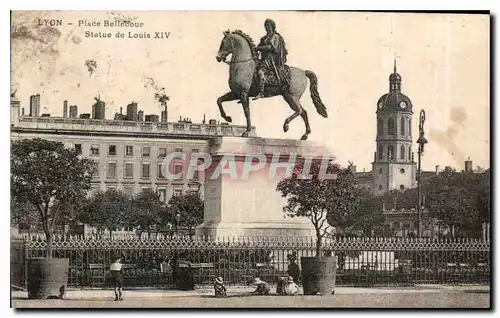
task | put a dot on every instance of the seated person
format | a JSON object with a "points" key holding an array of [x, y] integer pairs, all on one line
{"points": [[263, 287], [220, 289], [291, 289], [280, 287]]}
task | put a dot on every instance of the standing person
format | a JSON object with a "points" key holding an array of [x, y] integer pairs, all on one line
{"points": [[263, 287], [293, 269], [116, 269], [175, 270]]}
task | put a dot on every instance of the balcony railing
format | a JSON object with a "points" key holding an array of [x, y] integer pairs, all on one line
{"points": [[128, 126]]}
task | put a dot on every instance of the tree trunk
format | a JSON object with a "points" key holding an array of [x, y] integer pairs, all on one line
{"points": [[318, 246], [49, 238]]}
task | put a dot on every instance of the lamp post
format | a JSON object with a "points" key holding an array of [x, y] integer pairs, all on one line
{"points": [[421, 142], [177, 220]]}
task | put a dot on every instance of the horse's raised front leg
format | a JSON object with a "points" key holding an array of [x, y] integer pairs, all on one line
{"points": [[246, 110], [225, 98]]}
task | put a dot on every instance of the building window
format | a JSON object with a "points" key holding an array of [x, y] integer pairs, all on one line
{"points": [[409, 153], [111, 173], [94, 150], [163, 194], [144, 189], [96, 171], [402, 170], [111, 150], [403, 126], [160, 171], [409, 127], [129, 151], [380, 126], [401, 187], [380, 187], [111, 187], [380, 152], [177, 149], [177, 192], [128, 171], [396, 225], [145, 172], [390, 127], [129, 191], [178, 170], [145, 151], [390, 152], [380, 171], [403, 155], [162, 152], [78, 148]]}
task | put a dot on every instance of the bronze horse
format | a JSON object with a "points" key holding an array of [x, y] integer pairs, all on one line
{"points": [[241, 82]]}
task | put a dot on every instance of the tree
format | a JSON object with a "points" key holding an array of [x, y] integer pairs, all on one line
{"points": [[45, 172], [484, 194], [146, 210], [106, 210], [368, 217], [189, 208], [325, 202], [23, 214], [460, 199], [396, 199]]}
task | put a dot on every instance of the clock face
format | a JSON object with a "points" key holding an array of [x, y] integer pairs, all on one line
{"points": [[402, 105], [380, 105]]}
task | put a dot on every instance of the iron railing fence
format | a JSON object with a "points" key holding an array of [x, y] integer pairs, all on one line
{"points": [[361, 261]]}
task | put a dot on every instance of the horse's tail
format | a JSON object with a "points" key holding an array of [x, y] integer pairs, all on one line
{"points": [[320, 107]]}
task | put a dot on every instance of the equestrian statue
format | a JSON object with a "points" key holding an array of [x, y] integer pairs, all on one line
{"points": [[267, 75]]}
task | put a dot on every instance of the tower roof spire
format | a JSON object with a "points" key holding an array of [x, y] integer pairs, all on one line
{"points": [[395, 68]]}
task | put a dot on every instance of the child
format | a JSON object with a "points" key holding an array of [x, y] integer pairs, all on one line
{"points": [[220, 289], [263, 287], [116, 269], [291, 289]]}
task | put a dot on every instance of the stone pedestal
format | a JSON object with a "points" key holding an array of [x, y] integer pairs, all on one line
{"points": [[240, 202]]}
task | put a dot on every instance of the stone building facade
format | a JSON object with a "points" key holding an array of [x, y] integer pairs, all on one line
{"points": [[128, 154]]}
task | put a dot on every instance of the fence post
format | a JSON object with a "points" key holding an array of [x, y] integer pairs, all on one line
{"points": [[25, 261], [488, 231]]}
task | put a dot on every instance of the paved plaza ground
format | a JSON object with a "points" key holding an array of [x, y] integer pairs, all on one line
{"points": [[424, 296]]}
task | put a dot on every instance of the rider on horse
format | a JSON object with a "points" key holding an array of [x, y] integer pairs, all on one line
{"points": [[273, 58]]}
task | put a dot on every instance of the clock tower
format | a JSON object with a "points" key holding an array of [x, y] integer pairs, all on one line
{"points": [[393, 167]]}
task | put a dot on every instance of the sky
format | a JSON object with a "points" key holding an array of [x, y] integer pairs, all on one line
{"points": [[444, 61]]}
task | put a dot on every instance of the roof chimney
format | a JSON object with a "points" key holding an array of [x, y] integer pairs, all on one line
{"points": [[121, 111], [468, 165], [437, 169], [65, 109]]}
